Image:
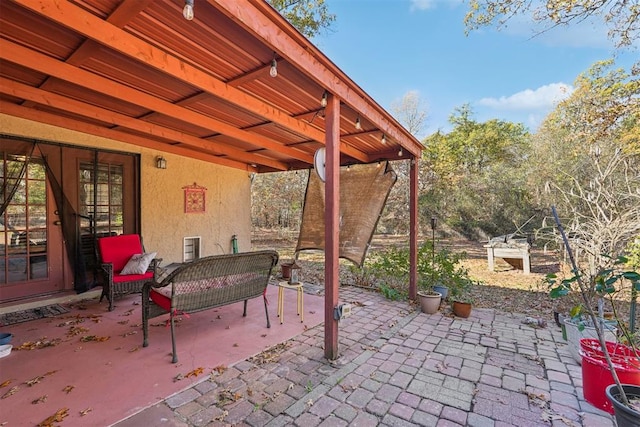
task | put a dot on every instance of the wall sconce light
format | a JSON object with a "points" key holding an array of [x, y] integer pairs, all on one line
{"points": [[273, 71], [187, 12], [400, 152], [161, 162], [358, 124], [323, 101], [383, 139]]}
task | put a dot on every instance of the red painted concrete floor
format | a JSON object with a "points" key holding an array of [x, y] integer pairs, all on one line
{"points": [[102, 382]]}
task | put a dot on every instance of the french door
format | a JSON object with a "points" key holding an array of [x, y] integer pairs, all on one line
{"points": [[57, 201]]}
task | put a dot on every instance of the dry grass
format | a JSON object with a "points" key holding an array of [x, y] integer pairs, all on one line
{"points": [[505, 289]]}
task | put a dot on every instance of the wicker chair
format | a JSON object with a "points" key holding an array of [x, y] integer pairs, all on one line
{"points": [[207, 283], [115, 252]]}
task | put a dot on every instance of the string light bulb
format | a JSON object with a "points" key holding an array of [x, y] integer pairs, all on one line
{"points": [[187, 12], [383, 139], [323, 101], [358, 124], [273, 71]]}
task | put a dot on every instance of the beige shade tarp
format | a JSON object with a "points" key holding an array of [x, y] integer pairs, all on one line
{"points": [[363, 193]]}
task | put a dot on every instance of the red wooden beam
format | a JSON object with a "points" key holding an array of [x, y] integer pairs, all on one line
{"points": [[69, 123], [154, 131], [331, 226], [413, 228]]}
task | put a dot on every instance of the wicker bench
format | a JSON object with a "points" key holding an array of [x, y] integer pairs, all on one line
{"points": [[207, 283]]}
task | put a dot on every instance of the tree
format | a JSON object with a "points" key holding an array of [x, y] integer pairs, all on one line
{"points": [[277, 199], [476, 177], [621, 16], [411, 112], [310, 17], [604, 105], [586, 158]]}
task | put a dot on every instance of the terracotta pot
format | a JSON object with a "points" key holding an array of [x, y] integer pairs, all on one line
{"points": [[461, 309], [286, 270], [429, 302]]}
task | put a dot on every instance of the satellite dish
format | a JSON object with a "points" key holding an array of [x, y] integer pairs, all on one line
{"points": [[318, 163]]}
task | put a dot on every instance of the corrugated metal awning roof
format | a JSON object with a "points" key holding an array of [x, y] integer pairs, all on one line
{"points": [[137, 71]]}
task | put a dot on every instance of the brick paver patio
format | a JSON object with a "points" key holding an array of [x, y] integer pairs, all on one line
{"points": [[398, 367]]}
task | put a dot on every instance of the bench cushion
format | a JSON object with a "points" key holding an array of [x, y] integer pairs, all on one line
{"points": [[162, 296]]}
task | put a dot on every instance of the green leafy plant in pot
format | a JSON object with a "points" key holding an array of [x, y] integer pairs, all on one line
{"points": [[602, 280], [429, 299], [440, 269], [461, 297]]}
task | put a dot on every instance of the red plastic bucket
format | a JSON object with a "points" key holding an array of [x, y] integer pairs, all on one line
{"points": [[595, 371]]}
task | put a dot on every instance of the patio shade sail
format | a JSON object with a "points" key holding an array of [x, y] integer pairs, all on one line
{"points": [[363, 193]]}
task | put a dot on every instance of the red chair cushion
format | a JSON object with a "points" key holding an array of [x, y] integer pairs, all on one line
{"points": [[160, 299], [118, 250], [119, 278]]}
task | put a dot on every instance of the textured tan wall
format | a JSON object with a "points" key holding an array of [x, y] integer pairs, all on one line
{"points": [[164, 223]]}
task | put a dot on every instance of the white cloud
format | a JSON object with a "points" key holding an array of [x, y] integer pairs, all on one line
{"points": [[432, 4], [422, 4], [543, 98]]}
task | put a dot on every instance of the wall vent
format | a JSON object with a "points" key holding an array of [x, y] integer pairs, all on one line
{"points": [[191, 249]]}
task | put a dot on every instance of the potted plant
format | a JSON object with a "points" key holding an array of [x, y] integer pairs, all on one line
{"points": [[461, 297], [599, 281], [429, 299], [442, 268]]}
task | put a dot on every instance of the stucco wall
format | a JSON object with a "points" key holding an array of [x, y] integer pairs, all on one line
{"points": [[164, 223]]}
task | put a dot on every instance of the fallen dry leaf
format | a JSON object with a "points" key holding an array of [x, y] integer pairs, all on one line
{"points": [[88, 338], [222, 416], [5, 383], [68, 389], [35, 345], [11, 392], [55, 418], [85, 412], [235, 344], [134, 349], [220, 369], [41, 399], [76, 330], [39, 378], [123, 322], [70, 322], [195, 372], [226, 397]]}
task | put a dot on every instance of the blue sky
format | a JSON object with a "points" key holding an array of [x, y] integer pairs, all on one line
{"points": [[392, 47]]}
